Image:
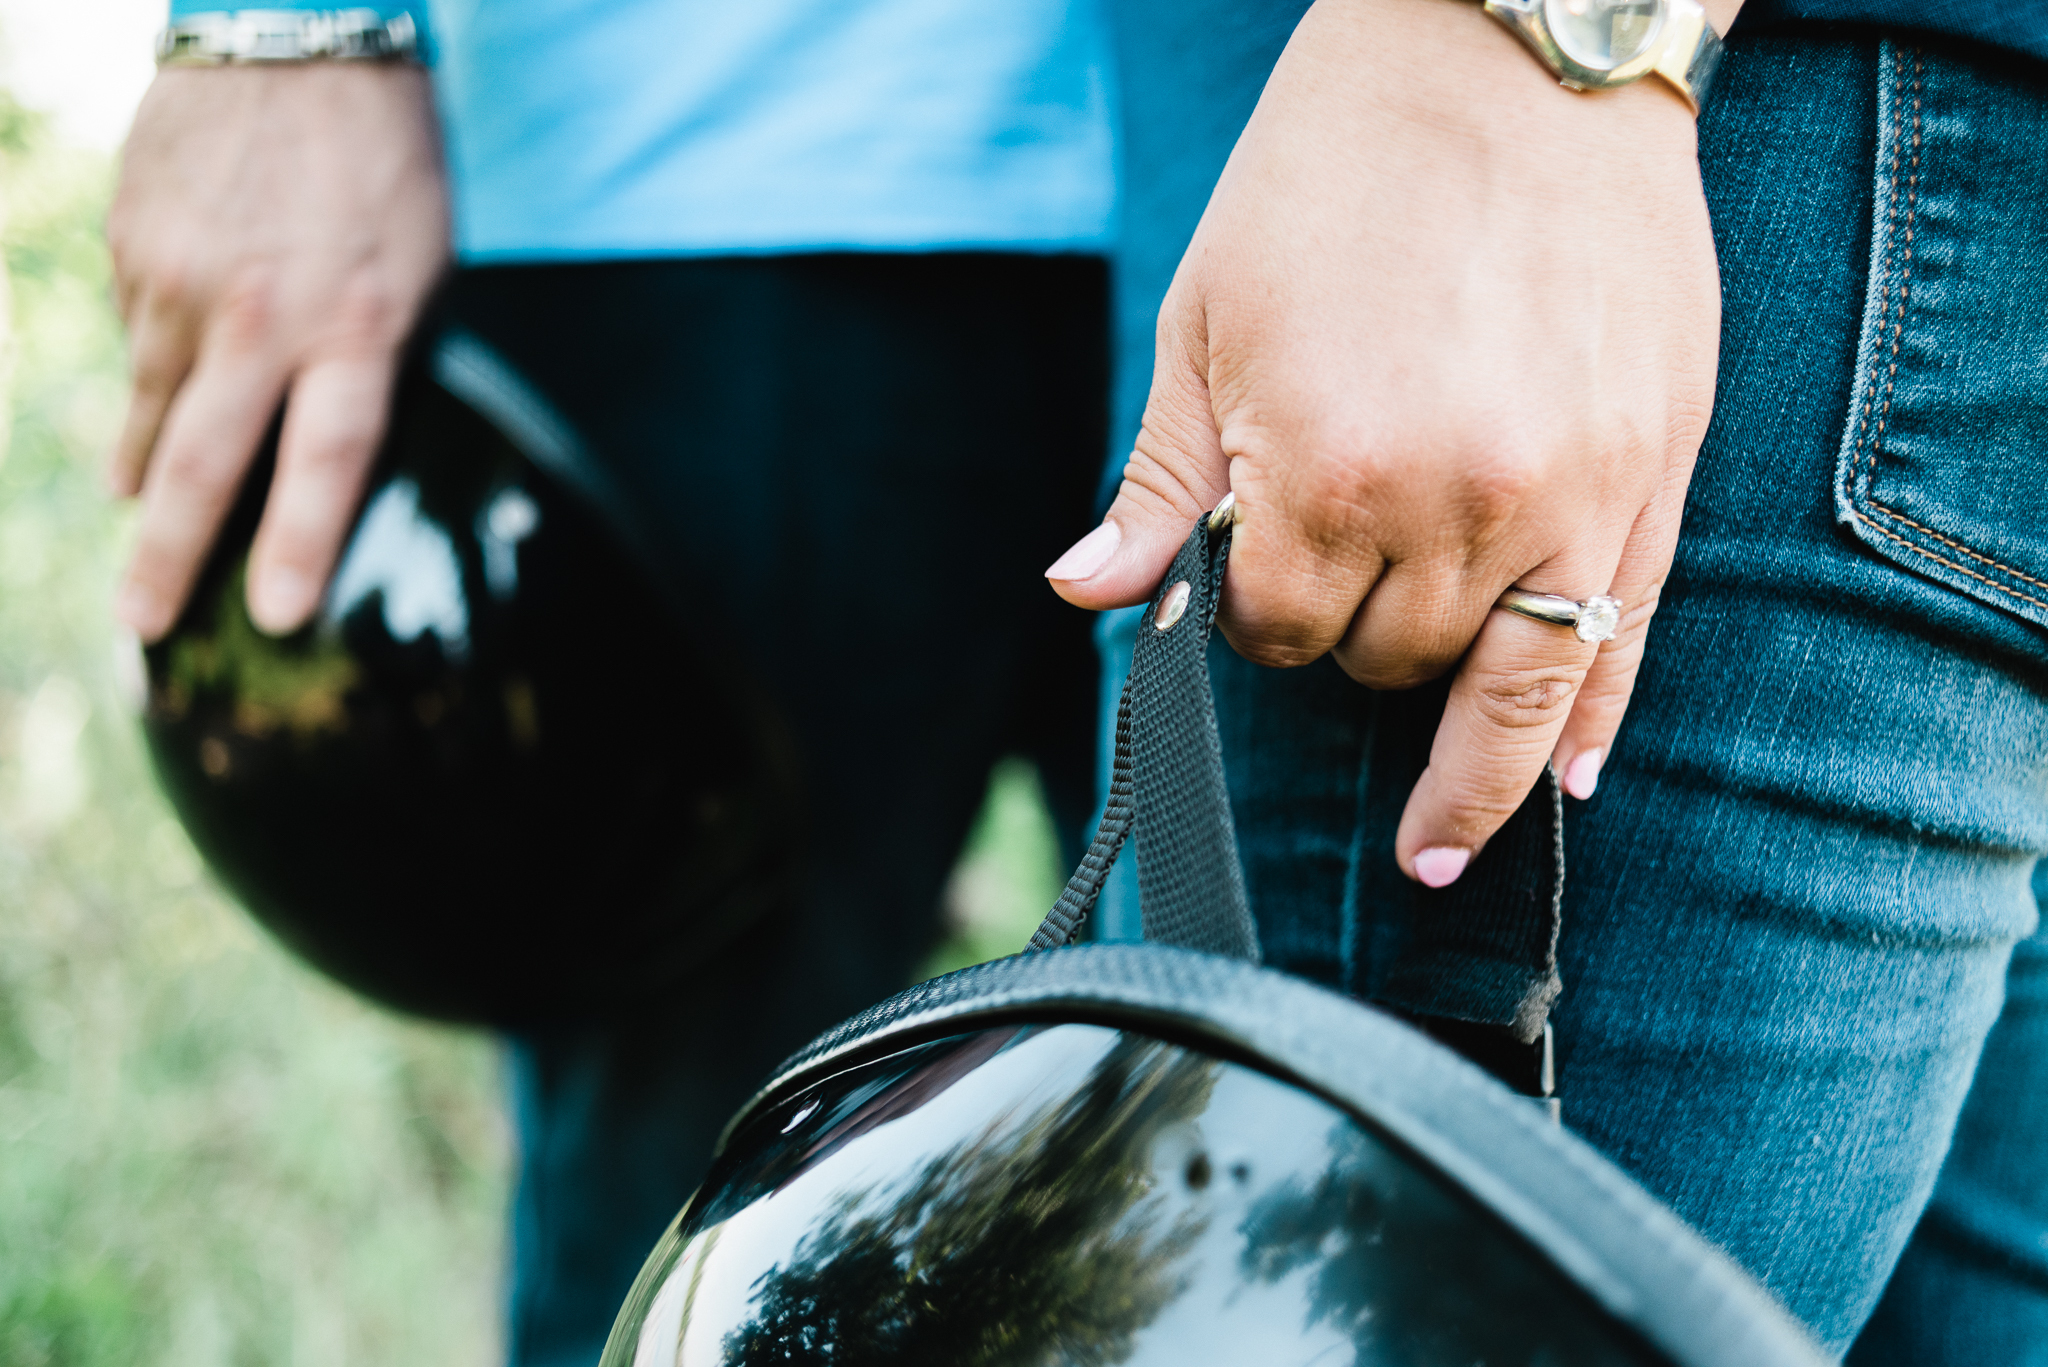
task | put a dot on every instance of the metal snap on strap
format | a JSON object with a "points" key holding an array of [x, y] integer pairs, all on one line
{"points": [[1172, 605]]}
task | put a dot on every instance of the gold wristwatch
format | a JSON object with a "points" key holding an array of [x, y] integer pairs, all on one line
{"points": [[1602, 44]]}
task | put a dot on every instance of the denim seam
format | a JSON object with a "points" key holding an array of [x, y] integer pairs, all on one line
{"points": [[1864, 461], [1957, 545], [1959, 569], [1894, 292]]}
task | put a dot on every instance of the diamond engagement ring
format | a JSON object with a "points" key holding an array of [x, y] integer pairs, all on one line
{"points": [[1596, 619]]}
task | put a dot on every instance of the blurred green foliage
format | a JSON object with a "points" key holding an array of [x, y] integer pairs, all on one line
{"points": [[1008, 875], [209, 1155]]}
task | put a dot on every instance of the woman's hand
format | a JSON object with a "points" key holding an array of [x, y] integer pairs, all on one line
{"points": [[1445, 328]]}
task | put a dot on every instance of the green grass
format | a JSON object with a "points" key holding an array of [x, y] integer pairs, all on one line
{"points": [[209, 1155]]}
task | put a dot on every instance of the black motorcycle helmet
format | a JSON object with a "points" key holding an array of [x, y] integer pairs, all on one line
{"points": [[1165, 1155], [497, 779]]}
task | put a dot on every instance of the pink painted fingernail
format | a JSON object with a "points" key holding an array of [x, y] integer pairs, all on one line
{"points": [[1582, 775], [1440, 867], [1088, 555]]}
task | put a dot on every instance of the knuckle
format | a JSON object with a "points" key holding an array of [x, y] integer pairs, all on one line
{"points": [[1605, 694], [152, 379], [199, 471], [370, 313], [1390, 675], [1505, 477], [159, 361], [248, 310], [1273, 654], [1151, 478], [1635, 619], [340, 449], [1480, 812], [1523, 698], [1182, 328], [1335, 484], [1325, 478], [170, 283], [1471, 803]]}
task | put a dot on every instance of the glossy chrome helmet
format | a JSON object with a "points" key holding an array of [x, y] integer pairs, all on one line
{"points": [[1164, 1154]]}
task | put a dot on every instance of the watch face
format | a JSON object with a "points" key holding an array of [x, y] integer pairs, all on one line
{"points": [[1604, 34]]}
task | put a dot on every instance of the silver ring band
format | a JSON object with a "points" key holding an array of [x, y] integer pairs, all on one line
{"points": [[1594, 619]]}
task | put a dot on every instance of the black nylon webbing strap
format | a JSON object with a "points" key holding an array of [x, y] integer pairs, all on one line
{"points": [[1484, 949], [1190, 885], [1479, 968], [1084, 887], [1167, 784]]}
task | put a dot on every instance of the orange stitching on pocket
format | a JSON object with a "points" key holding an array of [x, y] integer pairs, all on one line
{"points": [[1996, 564], [1905, 266], [1867, 437], [1870, 437], [1959, 569]]}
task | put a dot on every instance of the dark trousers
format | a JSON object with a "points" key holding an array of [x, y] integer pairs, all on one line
{"points": [[850, 472]]}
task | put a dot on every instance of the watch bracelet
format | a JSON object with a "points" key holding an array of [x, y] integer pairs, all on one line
{"points": [[224, 37]]}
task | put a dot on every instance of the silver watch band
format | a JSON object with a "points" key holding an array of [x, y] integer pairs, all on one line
{"points": [[283, 35]]}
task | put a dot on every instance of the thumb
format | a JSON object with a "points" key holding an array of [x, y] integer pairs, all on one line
{"points": [[1176, 473]]}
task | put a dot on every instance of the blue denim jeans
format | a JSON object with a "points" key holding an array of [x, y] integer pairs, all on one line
{"points": [[1802, 900]]}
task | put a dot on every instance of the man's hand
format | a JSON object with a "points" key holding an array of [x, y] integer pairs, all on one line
{"points": [[1444, 328], [275, 233]]}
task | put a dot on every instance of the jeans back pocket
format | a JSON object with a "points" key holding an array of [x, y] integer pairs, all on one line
{"points": [[1944, 460]]}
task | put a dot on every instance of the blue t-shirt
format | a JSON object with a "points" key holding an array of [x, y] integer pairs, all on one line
{"points": [[581, 129]]}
